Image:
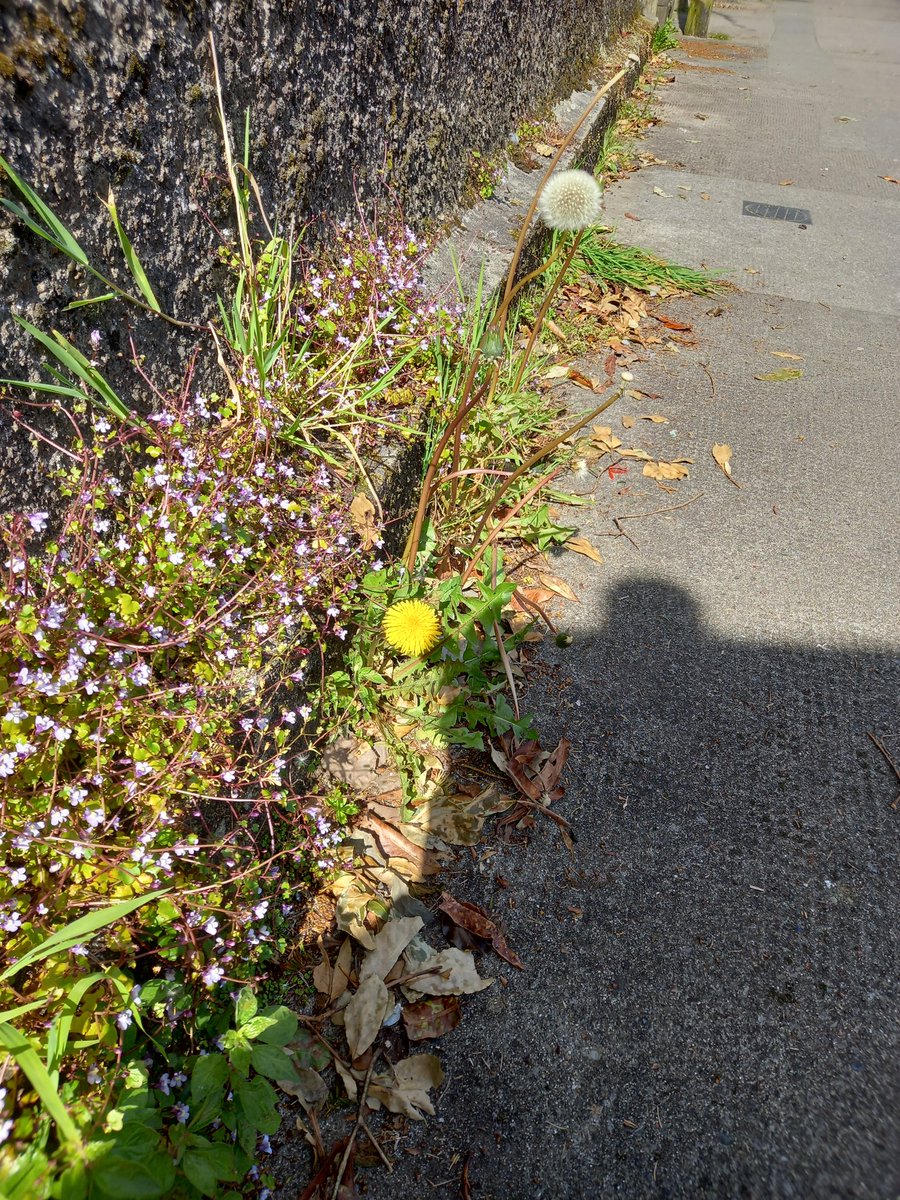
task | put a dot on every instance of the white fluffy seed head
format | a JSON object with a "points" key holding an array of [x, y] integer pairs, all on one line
{"points": [[571, 200]]}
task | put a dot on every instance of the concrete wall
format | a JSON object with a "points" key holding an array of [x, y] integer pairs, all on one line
{"points": [[355, 96]]}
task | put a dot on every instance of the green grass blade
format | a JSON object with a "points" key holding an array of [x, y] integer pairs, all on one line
{"points": [[134, 263], [53, 229], [12, 1013], [52, 388], [27, 1057], [73, 360], [90, 300], [58, 1038], [76, 931]]}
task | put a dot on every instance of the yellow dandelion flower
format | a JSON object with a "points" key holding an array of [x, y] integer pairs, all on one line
{"points": [[412, 627]]}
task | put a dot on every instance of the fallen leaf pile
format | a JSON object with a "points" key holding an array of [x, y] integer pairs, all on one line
{"points": [[383, 973]]}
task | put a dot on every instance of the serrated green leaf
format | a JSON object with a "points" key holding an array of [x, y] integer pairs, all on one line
{"points": [[138, 1179], [280, 1027], [207, 1164], [257, 1100]]}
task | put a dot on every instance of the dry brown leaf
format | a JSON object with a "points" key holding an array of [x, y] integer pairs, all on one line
{"points": [[671, 323], [560, 371], [543, 149], [786, 182], [367, 768], [593, 385], [655, 418], [628, 422], [786, 373], [582, 546], [330, 980], [787, 354], [450, 973], [362, 517], [537, 595], [722, 452], [390, 942], [632, 452], [431, 1018], [555, 584], [308, 1086], [396, 845], [889, 179], [704, 195], [365, 1014], [406, 1089], [632, 217], [455, 819], [475, 920], [604, 439], [347, 1078], [666, 470]]}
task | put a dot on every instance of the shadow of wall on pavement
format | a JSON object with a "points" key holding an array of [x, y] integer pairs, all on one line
{"points": [[708, 1007]]}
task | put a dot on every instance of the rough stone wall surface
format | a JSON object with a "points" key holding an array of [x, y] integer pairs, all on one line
{"points": [[356, 98]]}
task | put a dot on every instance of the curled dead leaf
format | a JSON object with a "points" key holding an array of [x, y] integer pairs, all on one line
{"points": [[582, 546], [309, 1087], [475, 920], [667, 470], [781, 376], [722, 454], [431, 1018], [330, 980], [555, 584], [362, 517], [406, 1089], [365, 1014]]}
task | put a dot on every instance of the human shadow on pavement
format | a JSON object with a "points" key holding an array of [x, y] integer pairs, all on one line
{"points": [[709, 1005]]}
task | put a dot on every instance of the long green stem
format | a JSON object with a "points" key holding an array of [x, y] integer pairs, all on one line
{"points": [[542, 311], [475, 556], [540, 453], [412, 544], [529, 216]]}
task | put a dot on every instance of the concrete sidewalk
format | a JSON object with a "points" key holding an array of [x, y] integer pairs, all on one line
{"points": [[709, 1006]]}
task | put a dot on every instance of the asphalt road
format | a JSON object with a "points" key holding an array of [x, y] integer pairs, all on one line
{"points": [[709, 1005]]}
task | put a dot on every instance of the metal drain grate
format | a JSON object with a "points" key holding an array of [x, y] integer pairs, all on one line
{"points": [[776, 212]]}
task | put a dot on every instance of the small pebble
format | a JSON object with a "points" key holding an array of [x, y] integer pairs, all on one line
{"points": [[627, 376]]}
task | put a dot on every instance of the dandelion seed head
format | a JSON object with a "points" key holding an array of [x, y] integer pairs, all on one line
{"points": [[571, 200]]}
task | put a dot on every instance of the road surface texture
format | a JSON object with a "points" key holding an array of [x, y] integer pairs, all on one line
{"points": [[709, 1001]]}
